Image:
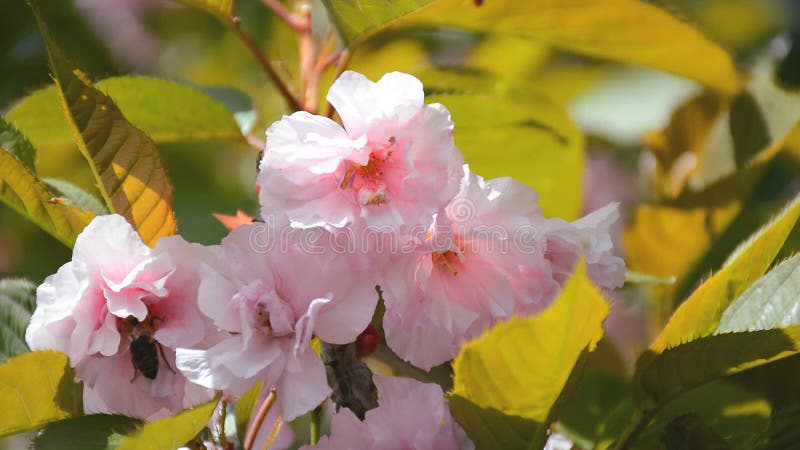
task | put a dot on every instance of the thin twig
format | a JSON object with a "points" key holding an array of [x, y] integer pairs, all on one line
{"points": [[223, 414], [262, 60], [308, 58], [281, 11], [252, 432]]}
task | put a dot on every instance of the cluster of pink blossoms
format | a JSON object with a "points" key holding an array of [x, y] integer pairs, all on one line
{"points": [[385, 200]]}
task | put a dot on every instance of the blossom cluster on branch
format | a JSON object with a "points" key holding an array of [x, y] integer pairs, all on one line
{"points": [[382, 199]]}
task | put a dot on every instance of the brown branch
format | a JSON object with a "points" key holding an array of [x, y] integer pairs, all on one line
{"points": [[281, 11], [262, 60]]}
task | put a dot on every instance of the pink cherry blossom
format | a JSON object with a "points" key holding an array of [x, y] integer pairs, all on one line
{"points": [[491, 255], [266, 305], [410, 416], [89, 307], [393, 164], [589, 236], [473, 275]]}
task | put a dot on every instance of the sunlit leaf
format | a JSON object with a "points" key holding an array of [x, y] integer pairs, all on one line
{"points": [[514, 376], [17, 144], [172, 432], [124, 160], [92, 432], [167, 111], [738, 24], [522, 57], [22, 191], [37, 388], [533, 140], [666, 241], [356, 18], [666, 375], [699, 315], [245, 406], [17, 302], [754, 127], [628, 31], [221, 8], [680, 145], [771, 302]]}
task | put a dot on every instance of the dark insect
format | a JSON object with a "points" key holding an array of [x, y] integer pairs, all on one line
{"points": [[143, 346]]}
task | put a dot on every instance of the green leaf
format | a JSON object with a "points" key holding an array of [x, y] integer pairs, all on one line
{"points": [[700, 314], [76, 196], [22, 191], [783, 431], [585, 413], [628, 31], [237, 102], [498, 386], [92, 432], [35, 389], [123, 159], [771, 302], [220, 8], [355, 19], [244, 409], [167, 111], [733, 413], [17, 144], [690, 432], [532, 140], [172, 432], [662, 377], [17, 302]]}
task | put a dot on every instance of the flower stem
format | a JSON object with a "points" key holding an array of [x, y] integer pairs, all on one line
{"points": [[223, 414], [252, 432], [316, 423]]}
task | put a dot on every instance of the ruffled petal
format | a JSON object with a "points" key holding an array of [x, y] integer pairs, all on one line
{"points": [[302, 386]]}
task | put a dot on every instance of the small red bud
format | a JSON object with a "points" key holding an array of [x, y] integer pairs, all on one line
{"points": [[367, 341]]}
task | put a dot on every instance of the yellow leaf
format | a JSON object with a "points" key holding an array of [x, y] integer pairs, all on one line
{"points": [[124, 160], [531, 139], [700, 314], [24, 192], [171, 432], [667, 241], [36, 388], [629, 31], [519, 370]]}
